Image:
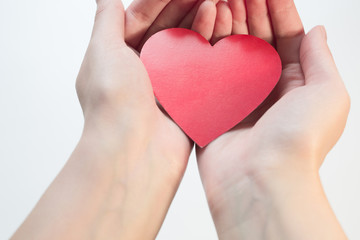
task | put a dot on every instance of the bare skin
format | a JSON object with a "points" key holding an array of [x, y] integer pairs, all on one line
{"points": [[123, 175], [261, 178]]}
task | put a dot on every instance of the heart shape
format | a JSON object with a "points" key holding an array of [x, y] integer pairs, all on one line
{"points": [[207, 90]]}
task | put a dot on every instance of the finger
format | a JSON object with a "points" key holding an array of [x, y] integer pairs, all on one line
{"points": [[223, 23], [316, 59], [239, 22], [109, 20], [139, 17], [170, 17], [205, 19], [189, 18], [259, 20], [288, 29]]}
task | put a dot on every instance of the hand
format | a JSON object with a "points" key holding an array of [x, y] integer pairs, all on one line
{"points": [[261, 178], [122, 176]]}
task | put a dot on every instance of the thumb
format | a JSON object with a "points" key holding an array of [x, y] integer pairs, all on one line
{"points": [[315, 57], [109, 20]]}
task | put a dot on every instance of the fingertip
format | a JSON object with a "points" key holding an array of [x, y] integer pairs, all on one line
{"points": [[205, 19], [224, 14], [315, 56], [238, 11], [223, 23], [323, 29], [258, 19], [316, 36]]}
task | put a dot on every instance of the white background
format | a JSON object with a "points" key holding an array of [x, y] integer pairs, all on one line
{"points": [[42, 43]]}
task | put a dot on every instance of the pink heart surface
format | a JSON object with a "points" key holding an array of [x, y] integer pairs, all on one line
{"points": [[207, 90]]}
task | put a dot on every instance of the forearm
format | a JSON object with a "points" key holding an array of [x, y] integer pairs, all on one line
{"points": [[103, 192], [278, 205]]}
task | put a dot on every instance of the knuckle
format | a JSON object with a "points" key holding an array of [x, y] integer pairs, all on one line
{"points": [[141, 16], [289, 6], [100, 8], [103, 5], [239, 21], [144, 15]]}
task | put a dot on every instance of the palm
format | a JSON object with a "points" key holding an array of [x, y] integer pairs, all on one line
{"points": [[168, 137], [175, 141], [295, 116], [233, 146], [225, 160]]}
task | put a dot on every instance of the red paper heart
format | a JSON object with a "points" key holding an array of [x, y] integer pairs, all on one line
{"points": [[207, 90]]}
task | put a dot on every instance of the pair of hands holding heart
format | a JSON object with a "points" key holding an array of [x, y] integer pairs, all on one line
{"points": [[291, 131]]}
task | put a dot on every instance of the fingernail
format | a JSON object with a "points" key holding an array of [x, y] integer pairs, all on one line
{"points": [[323, 29]]}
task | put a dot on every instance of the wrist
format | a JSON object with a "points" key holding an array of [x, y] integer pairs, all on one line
{"points": [[273, 172], [283, 202], [131, 188]]}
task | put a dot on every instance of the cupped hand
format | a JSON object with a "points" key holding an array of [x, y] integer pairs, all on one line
{"points": [[120, 109], [290, 134], [113, 85]]}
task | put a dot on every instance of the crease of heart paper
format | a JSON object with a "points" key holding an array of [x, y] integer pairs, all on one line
{"points": [[207, 90]]}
